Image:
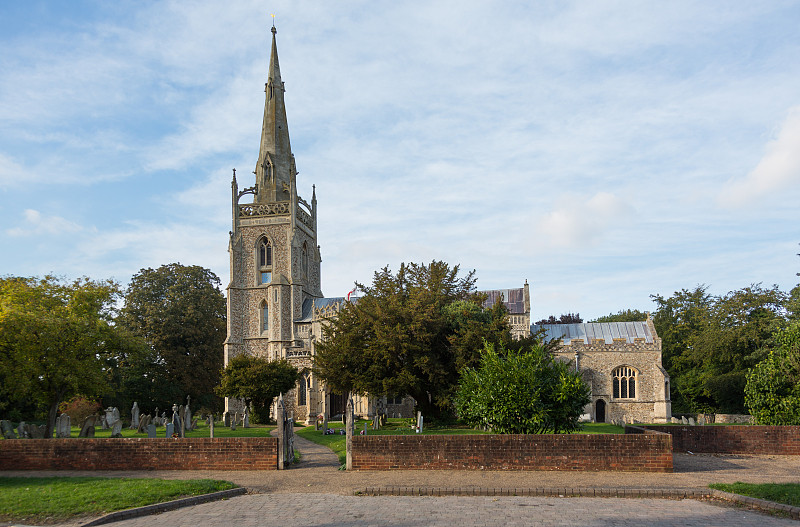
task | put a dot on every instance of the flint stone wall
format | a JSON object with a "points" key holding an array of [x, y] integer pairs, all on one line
{"points": [[229, 453], [646, 451]]}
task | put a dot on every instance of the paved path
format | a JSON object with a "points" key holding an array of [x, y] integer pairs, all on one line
{"points": [[287, 510]]}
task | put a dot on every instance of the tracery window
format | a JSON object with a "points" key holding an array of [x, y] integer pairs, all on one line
{"points": [[302, 390], [624, 383], [264, 260]]}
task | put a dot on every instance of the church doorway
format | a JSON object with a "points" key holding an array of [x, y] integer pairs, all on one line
{"points": [[600, 411], [338, 403]]}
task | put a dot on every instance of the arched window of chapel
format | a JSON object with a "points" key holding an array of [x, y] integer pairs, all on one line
{"points": [[624, 382], [264, 316]]}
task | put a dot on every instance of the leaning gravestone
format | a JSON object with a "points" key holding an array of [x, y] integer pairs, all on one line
{"points": [[37, 432], [87, 430], [683, 420], [187, 414], [63, 429], [144, 421], [8, 429], [151, 431], [135, 416]]}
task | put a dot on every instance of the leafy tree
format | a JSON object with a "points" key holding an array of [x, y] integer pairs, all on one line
{"points": [[521, 392], [409, 333], [257, 380], [624, 315], [569, 318], [180, 312], [709, 343], [772, 393], [54, 337]]}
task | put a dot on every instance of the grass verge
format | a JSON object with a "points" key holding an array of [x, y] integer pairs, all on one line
{"points": [[787, 493], [201, 431], [54, 500]]}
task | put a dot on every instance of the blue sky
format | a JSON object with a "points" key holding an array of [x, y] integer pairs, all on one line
{"points": [[604, 151]]}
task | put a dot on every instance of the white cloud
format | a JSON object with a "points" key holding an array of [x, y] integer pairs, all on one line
{"points": [[778, 169], [576, 222], [36, 224], [12, 174]]}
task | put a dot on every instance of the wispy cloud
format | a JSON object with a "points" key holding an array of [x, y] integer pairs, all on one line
{"points": [[34, 223], [777, 170], [577, 222]]}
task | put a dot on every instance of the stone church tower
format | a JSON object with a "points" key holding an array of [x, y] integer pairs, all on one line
{"points": [[274, 256]]}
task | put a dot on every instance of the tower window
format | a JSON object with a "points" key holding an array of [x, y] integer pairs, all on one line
{"points": [[264, 317], [264, 260], [624, 383]]}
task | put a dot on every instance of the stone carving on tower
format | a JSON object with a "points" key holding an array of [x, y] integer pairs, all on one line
{"points": [[274, 255]]}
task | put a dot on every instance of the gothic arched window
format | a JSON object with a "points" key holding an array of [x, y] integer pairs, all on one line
{"points": [[624, 383], [264, 317], [264, 261]]}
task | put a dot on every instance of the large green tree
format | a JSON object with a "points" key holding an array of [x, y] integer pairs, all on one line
{"points": [[709, 343], [521, 392], [410, 333], [257, 380], [55, 337], [180, 312], [772, 392]]}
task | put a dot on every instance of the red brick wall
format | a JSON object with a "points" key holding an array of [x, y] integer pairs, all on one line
{"points": [[736, 439], [648, 452], [243, 453]]}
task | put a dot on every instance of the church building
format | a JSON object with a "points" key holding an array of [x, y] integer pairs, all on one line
{"points": [[276, 308]]}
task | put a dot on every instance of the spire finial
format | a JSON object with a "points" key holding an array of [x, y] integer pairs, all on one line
{"points": [[273, 24]]}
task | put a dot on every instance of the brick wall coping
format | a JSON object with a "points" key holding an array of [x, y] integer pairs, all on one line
{"points": [[204, 453]]}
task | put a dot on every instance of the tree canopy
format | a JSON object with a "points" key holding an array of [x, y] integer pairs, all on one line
{"points": [[772, 392], [521, 392], [709, 343], [410, 333], [55, 337], [180, 312], [257, 380], [567, 318], [623, 315]]}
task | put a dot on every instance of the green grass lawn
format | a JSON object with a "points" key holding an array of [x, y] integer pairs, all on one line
{"points": [[54, 500], [202, 431], [336, 442], [788, 493]]}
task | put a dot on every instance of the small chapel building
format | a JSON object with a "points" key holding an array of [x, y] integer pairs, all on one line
{"points": [[276, 309]]}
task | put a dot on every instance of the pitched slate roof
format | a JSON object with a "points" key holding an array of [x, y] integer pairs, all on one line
{"points": [[514, 299], [608, 331]]}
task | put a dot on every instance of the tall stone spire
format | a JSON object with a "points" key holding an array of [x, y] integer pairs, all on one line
{"points": [[275, 170]]}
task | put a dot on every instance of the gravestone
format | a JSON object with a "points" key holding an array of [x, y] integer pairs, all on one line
{"points": [[683, 420], [246, 417], [87, 429], [211, 425], [170, 430], [103, 422], [177, 424], [63, 429], [691, 421], [151, 431], [701, 421], [144, 422], [157, 419], [23, 430], [187, 414], [325, 424], [116, 429], [226, 419], [8, 429], [135, 416], [37, 432], [419, 422]]}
